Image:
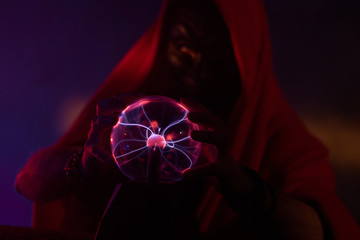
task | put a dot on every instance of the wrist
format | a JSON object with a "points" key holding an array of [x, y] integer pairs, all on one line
{"points": [[259, 201], [75, 171]]}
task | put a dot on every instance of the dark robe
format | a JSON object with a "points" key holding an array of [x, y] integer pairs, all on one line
{"points": [[268, 135]]}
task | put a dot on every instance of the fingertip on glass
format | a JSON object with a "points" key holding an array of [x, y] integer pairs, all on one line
{"points": [[154, 121]]}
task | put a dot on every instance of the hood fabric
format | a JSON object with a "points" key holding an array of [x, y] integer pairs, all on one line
{"points": [[269, 137]]}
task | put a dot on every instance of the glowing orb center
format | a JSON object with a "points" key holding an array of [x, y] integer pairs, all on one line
{"points": [[154, 123], [156, 140]]}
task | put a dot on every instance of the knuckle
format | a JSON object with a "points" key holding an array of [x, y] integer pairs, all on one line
{"points": [[89, 146], [95, 121], [99, 108], [104, 106], [93, 138], [93, 150], [100, 122]]}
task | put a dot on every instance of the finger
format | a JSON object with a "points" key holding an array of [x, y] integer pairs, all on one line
{"points": [[99, 161], [109, 106], [100, 123], [100, 154], [206, 119], [211, 169], [216, 138], [100, 130], [193, 105]]}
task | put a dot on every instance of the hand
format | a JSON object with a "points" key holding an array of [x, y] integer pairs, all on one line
{"points": [[97, 161], [231, 180]]}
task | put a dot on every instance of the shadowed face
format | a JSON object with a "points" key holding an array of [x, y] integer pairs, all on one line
{"points": [[196, 58], [199, 53]]}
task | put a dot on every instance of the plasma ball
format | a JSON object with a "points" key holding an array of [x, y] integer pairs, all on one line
{"points": [[151, 140], [156, 140]]}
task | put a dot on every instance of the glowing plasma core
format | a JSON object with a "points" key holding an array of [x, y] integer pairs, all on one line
{"points": [[159, 124], [156, 140]]}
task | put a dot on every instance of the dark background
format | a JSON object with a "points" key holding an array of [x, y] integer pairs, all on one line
{"points": [[55, 54]]}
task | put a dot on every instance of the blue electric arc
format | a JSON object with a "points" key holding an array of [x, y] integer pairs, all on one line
{"points": [[151, 140]]}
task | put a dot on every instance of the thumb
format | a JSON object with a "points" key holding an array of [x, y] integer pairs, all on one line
{"points": [[210, 169]]}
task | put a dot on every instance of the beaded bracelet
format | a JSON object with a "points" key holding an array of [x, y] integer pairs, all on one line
{"points": [[73, 169], [256, 198]]}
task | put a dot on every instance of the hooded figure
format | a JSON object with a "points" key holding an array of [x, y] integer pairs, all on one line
{"points": [[226, 66]]}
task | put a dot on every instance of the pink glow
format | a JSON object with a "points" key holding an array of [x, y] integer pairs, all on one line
{"points": [[183, 107], [154, 124], [169, 137], [125, 109], [158, 124], [156, 140]]}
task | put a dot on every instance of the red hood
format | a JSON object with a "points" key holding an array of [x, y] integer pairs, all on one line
{"points": [[269, 136]]}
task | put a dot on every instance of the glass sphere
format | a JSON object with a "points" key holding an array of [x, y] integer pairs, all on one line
{"points": [[151, 141]]}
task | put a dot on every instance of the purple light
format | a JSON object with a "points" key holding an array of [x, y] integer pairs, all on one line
{"points": [[156, 140], [159, 124]]}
